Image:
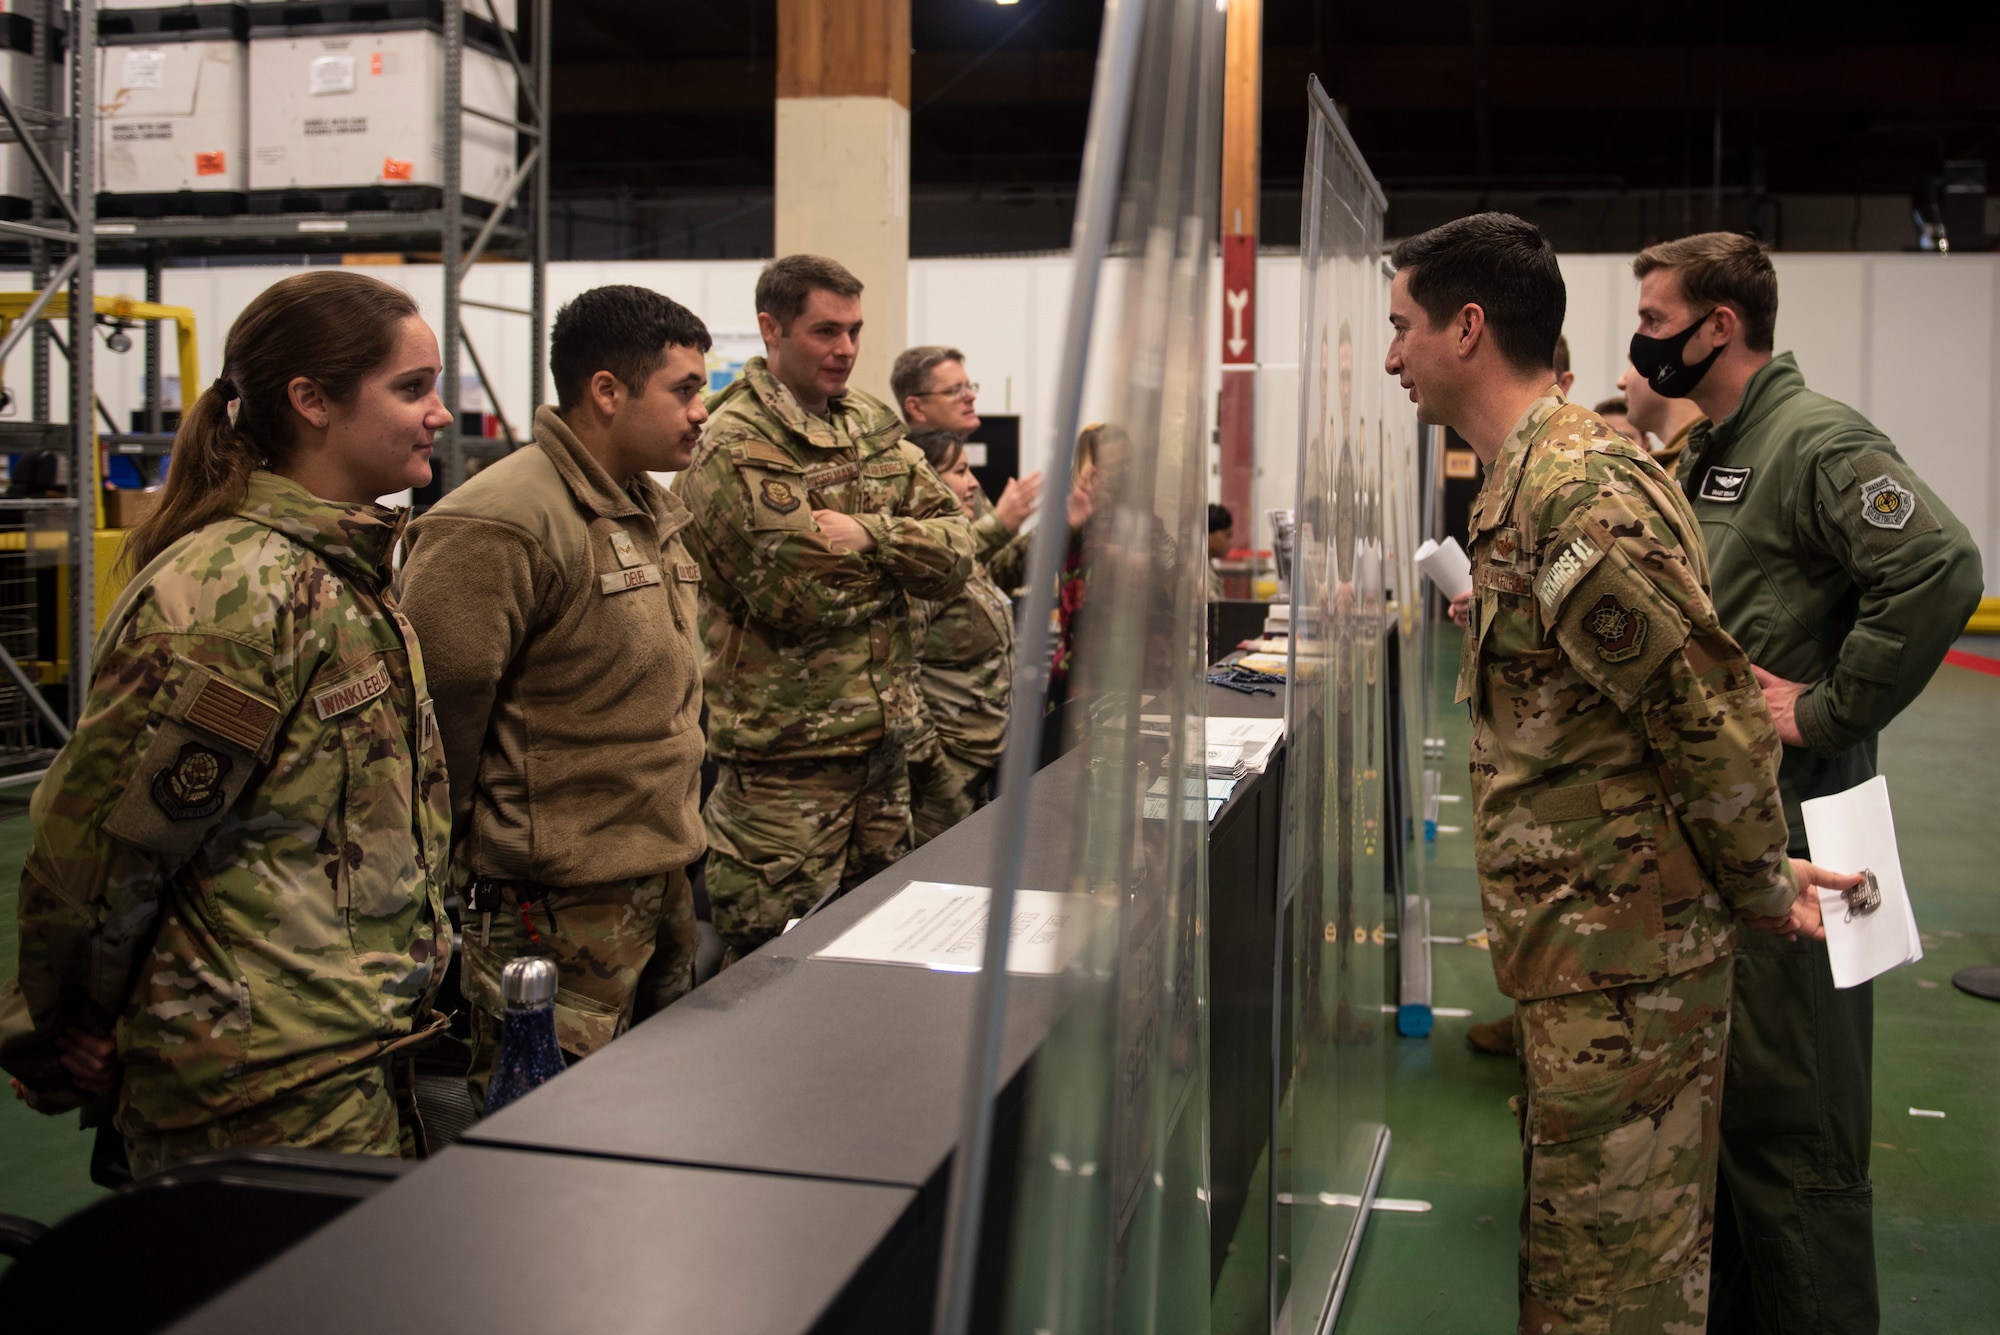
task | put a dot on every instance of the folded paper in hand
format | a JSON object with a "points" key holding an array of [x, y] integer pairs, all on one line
{"points": [[1446, 564], [1874, 929]]}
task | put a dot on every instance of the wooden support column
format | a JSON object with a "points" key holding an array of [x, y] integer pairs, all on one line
{"points": [[1236, 416], [843, 157]]}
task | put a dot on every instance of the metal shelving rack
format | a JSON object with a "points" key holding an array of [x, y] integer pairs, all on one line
{"points": [[517, 225]]}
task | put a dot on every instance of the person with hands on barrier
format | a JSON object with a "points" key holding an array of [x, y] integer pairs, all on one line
{"points": [[1626, 819], [814, 525], [231, 912]]}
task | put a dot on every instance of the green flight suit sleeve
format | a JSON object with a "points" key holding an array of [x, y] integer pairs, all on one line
{"points": [[473, 589], [778, 566], [175, 727], [925, 546], [1619, 594], [1920, 579]]}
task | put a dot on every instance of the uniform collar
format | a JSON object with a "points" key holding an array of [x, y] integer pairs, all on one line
{"points": [[853, 420], [357, 537], [1775, 381], [1504, 477], [583, 475]]}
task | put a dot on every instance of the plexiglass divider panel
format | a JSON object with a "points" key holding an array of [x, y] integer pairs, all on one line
{"points": [[1339, 904], [1110, 1228]]}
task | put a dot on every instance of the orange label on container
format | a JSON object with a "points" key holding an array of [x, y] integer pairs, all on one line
{"points": [[211, 164], [375, 63], [392, 170]]}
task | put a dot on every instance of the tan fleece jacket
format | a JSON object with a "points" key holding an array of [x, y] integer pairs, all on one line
{"points": [[556, 615]]}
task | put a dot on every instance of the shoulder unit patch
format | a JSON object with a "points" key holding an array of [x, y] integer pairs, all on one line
{"points": [[1620, 631], [778, 495], [192, 788], [1886, 503]]}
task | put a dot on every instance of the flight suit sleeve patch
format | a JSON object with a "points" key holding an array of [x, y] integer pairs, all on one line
{"points": [[1617, 629], [1877, 503]]}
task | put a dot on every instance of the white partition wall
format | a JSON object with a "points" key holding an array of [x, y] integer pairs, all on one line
{"points": [[1911, 341]]}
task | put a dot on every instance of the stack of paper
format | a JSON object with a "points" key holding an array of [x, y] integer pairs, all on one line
{"points": [[1225, 762], [1254, 738], [933, 925], [1851, 832]]}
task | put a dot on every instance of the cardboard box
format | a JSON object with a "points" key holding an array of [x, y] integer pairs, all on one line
{"points": [[171, 116], [124, 507], [351, 109]]}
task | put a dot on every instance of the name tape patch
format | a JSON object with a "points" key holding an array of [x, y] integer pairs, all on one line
{"points": [[1725, 485], [231, 713], [1563, 572], [831, 476], [687, 572], [352, 693], [620, 581]]}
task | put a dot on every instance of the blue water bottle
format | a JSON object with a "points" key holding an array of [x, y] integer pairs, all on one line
{"points": [[528, 1052]]}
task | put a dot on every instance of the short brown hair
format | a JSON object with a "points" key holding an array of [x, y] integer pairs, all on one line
{"points": [[1722, 269], [912, 371], [787, 284], [940, 447], [1503, 265], [1614, 404]]}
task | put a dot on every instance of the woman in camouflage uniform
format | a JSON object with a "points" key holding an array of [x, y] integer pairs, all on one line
{"points": [[230, 913], [965, 658]]}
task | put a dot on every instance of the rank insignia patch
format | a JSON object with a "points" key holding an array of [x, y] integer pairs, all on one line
{"points": [[1724, 484], [1620, 631], [779, 496], [1887, 504], [191, 787]]}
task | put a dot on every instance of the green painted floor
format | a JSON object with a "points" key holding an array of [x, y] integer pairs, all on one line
{"points": [[1937, 1182]]}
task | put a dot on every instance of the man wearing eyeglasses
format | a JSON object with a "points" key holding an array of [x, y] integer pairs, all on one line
{"points": [[933, 390]]}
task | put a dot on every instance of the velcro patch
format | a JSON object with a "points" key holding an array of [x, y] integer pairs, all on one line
{"points": [[1507, 581], [1575, 802], [1565, 570], [352, 693], [1887, 503], [622, 548], [1620, 631], [621, 581], [687, 572], [192, 787], [778, 495], [832, 475], [231, 713], [885, 468], [1724, 485]]}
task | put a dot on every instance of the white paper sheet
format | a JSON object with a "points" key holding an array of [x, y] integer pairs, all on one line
{"points": [[933, 925], [1447, 565], [1258, 737], [1849, 832]]}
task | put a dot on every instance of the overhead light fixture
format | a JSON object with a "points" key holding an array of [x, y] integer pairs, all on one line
{"points": [[1006, 2]]}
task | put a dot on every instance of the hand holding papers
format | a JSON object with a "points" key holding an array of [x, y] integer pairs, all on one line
{"points": [[1446, 564], [1871, 929]]}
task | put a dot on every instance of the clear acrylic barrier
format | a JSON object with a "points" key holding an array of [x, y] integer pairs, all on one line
{"points": [[1111, 1215], [1352, 546]]}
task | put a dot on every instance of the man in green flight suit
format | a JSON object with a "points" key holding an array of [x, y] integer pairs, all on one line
{"points": [[1624, 772], [1846, 580], [814, 525]]}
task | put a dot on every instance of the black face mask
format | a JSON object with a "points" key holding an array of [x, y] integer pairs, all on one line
{"points": [[1659, 360]]}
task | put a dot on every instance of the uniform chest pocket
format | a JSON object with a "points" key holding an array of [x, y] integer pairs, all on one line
{"points": [[379, 855]]}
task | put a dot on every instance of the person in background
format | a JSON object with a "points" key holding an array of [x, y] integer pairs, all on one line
{"points": [[1221, 533], [1846, 580], [1103, 451], [815, 524], [931, 385], [1612, 411], [232, 913], [1626, 819], [965, 666], [557, 609], [1668, 421]]}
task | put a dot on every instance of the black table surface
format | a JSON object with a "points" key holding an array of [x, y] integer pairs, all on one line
{"points": [[820, 1068], [484, 1240]]}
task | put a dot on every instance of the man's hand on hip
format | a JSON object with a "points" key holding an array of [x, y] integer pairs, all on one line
{"points": [[1782, 698]]}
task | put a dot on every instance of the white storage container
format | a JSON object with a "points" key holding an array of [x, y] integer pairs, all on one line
{"points": [[345, 110], [17, 72], [171, 116]]}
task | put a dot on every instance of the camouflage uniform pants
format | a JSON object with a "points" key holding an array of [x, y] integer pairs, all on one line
{"points": [[944, 790], [1621, 1136], [783, 834], [601, 938], [361, 1110]]}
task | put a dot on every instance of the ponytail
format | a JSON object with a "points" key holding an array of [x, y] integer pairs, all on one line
{"points": [[331, 326]]}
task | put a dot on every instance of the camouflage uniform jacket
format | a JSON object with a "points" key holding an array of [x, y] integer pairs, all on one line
{"points": [[807, 651], [238, 855], [965, 657], [1003, 552], [1624, 767], [1835, 565]]}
